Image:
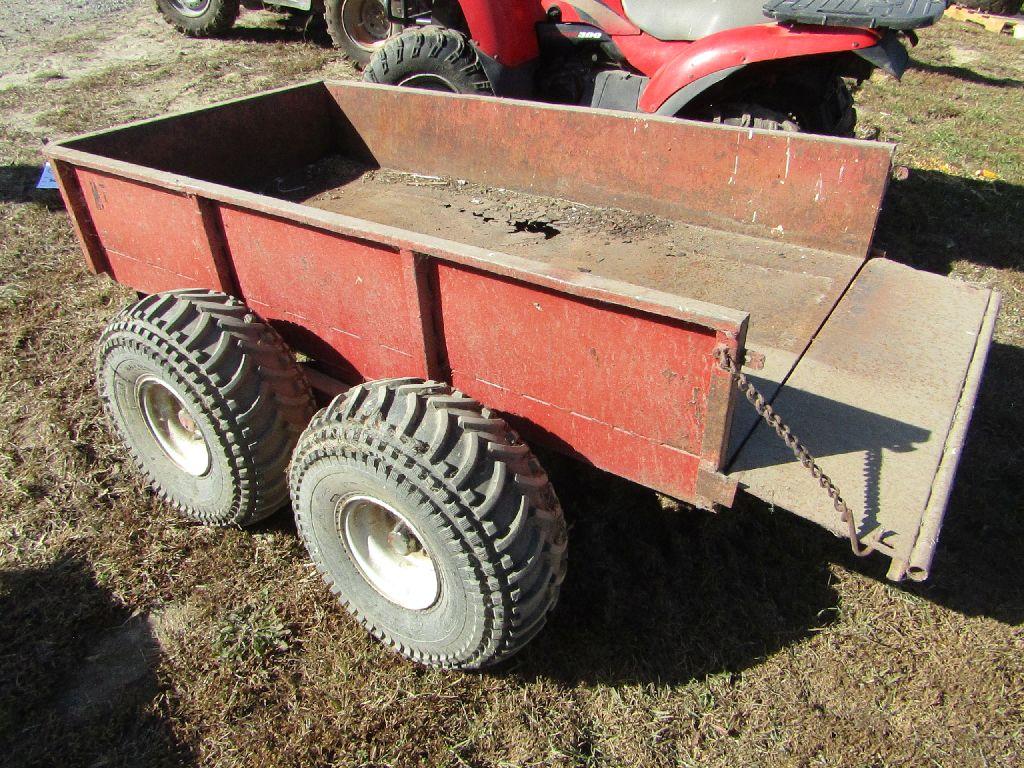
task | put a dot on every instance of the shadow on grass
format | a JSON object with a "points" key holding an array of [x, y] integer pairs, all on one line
{"points": [[962, 73], [77, 672], [933, 219], [977, 569], [666, 594], [296, 29], [18, 183]]}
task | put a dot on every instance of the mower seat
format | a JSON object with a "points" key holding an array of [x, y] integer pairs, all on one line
{"points": [[692, 19]]}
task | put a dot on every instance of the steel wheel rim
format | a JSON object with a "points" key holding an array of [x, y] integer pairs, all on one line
{"points": [[190, 8], [173, 425], [366, 22], [429, 82], [388, 552]]}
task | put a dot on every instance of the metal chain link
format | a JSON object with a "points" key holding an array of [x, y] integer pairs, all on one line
{"points": [[730, 365]]}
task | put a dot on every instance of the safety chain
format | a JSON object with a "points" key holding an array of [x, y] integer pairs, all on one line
{"points": [[729, 364]]}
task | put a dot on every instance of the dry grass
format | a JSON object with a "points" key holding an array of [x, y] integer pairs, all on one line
{"points": [[681, 639]]}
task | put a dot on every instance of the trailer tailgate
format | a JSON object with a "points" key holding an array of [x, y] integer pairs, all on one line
{"points": [[882, 398]]}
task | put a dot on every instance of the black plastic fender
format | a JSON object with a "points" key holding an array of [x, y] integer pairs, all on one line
{"points": [[890, 55]]}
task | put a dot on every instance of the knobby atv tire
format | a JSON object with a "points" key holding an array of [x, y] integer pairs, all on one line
{"points": [[217, 18], [432, 58], [240, 385], [834, 114], [463, 479], [753, 116], [829, 111]]}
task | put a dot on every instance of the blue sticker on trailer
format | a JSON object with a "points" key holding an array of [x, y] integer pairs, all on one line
{"points": [[47, 180]]}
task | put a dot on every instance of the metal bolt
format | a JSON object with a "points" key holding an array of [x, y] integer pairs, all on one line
{"points": [[401, 540]]}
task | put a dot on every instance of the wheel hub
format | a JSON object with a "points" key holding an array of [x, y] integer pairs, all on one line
{"points": [[388, 551], [366, 22], [173, 426], [402, 541], [191, 8], [375, 20]]}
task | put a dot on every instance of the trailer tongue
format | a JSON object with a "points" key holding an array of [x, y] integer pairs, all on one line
{"points": [[588, 297]]}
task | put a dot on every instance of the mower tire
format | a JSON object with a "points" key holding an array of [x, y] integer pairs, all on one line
{"points": [[208, 400], [432, 58]]}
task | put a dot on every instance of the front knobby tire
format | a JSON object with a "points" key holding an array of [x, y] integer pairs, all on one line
{"points": [[457, 482], [433, 58], [208, 400], [200, 18]]}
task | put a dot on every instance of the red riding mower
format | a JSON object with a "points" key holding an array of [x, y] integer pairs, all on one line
{"points": [[778, 64]]}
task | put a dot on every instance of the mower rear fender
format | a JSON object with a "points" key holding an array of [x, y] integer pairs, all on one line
{"points": [[711, 59]]}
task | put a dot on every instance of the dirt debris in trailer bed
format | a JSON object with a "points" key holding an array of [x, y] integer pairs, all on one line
{"points": [[331, 182], [682, 639]]}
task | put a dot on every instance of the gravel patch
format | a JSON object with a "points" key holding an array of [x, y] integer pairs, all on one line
{"points": [[24, 19]]}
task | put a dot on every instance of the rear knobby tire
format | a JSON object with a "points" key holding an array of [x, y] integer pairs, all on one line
{"points": [[827, 108], [201, 18], [432, 58], [835, 114], [475, 498], [184, 371], [753, 116]]}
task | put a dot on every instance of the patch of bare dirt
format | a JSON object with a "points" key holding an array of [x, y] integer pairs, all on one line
{"points": [[59, 81], [27, 20]]}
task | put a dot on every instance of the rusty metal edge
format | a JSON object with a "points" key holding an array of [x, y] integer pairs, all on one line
{"points": [[357, 85], [713, 488], [721, 404], [67, 142], [583, 285], [916, 568], [81, 219]]}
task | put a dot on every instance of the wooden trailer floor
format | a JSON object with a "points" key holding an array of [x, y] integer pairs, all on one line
{"points": [[788, 290]]}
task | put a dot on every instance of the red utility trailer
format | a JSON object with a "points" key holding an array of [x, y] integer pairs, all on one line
{"points": [[457, 272]]}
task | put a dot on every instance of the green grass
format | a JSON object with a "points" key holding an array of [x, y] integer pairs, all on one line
{"points": [[682, 638]]}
